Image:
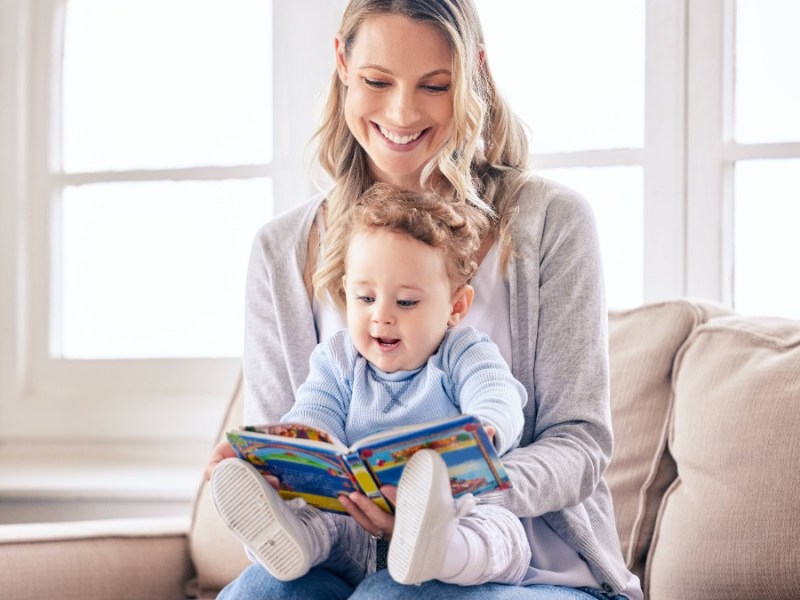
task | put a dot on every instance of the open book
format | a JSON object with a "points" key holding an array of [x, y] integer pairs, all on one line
{"points": [[311, 464]]}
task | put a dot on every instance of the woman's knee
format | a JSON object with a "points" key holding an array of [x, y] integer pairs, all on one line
{"points": [[255, 583]]}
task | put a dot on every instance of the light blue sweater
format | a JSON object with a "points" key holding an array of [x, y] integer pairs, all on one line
{"points": [[559, 354], [347, 396]]}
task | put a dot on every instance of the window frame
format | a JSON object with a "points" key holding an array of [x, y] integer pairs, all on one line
{"points": [[712, 151], [106, 400]]}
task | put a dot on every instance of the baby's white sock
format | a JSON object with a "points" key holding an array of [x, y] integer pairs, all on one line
{"points": [[465, 559]]}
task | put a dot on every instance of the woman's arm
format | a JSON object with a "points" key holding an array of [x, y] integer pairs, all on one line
{"points": [[567, 441], [279, 324]]}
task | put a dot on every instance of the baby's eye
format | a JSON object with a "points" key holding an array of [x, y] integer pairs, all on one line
{"points": [[407, 303], [375, 83], [365, 299]]}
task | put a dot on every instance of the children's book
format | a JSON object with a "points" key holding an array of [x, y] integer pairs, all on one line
{"points": [[313, 465]]}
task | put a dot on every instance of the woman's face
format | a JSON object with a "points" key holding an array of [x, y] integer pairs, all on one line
{"points": [[399, 103]]}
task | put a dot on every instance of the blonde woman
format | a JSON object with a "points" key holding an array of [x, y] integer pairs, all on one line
{"points": [[413, 103]]}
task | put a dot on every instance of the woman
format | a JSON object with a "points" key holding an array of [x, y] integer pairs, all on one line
{"points": [[412, 103]]}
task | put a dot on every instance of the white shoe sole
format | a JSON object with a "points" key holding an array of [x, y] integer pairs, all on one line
{"points": [[416, 553], [259, 517]]}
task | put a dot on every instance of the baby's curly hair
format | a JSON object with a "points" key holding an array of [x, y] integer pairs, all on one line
{"points": [[456, 227]]}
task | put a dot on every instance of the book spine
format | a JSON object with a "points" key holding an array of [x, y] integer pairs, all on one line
{"points": [[365, 481]]}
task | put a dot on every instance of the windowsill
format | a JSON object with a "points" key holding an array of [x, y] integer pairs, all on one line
{"points": [[84, 485]]}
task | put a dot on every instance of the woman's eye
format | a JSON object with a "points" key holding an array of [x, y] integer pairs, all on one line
{"points": [[437, 89], [376, 83], [407, 303]]}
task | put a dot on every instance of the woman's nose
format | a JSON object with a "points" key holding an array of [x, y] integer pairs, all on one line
{"points": [[402, 109]]}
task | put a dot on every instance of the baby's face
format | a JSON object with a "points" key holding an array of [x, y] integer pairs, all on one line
{"points": [[399, 299]]}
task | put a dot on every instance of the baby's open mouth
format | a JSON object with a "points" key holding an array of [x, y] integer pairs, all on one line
{"points": [[387, 342]]}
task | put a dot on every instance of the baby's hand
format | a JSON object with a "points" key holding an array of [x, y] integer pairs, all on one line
{"points": [[489, 431]]}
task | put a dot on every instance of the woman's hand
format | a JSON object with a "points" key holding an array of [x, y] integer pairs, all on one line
{"points": [[368, 515], [222, 451]]}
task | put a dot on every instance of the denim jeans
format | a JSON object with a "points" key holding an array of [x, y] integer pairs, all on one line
{"points": [[256, 584]]}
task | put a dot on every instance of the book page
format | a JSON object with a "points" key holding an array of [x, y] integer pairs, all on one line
{"points": [[296, 431], [310, 469], [472, 462]]}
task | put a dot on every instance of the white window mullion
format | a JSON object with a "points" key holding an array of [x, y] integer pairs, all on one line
{"points": [[709, 178], [664, 153], [587, 158], [43, 46]]}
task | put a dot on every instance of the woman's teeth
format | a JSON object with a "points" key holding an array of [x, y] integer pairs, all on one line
{"points": [[399, 139]]}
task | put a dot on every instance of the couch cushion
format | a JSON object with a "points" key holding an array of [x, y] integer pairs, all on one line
{"points": [[217, 553], [729, 526], [643, 343]]}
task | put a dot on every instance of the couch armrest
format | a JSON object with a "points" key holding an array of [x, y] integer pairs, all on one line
{"points": [[96, 560]]}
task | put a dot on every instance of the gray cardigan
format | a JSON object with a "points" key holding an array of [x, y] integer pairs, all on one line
{"points": [[559, 353]]}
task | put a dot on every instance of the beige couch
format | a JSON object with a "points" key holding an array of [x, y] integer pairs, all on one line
{"points": [[705, 477]]}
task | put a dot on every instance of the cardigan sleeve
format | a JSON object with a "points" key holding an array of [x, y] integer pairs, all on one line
{"points": [[279, 331], [567, 442]]}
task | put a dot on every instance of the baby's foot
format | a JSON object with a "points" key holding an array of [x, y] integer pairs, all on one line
{"points": [[426, 519], [267, 525]]}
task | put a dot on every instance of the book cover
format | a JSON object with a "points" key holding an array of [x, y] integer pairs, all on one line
{"points": [[313, 465]]}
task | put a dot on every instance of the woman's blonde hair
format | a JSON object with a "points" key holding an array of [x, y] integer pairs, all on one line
{"points": [[485, 160], [454, 227]]}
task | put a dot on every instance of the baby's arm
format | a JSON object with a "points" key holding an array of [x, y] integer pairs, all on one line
{"points": [[484, 386], [322, 400]]}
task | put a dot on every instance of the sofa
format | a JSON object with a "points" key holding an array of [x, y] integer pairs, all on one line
{"points": [[705, 477]]}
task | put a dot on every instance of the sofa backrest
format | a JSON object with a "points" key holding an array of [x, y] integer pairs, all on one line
{"points": [[643, 343], [217, 554], [729, 525]]}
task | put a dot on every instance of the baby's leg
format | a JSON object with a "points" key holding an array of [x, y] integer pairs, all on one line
{"points": [[436, 537], [287, 538], [352, 554], [490, 545]]}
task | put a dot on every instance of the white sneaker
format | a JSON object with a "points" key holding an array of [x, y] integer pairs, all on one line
{"points": [[426, 519], [267, 525]]}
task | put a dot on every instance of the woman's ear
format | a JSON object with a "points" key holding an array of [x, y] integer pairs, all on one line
{"points": [[341, 58], [461, 302]]}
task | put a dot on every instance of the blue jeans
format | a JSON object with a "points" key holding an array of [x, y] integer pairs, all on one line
{"points": [[256, 584]]}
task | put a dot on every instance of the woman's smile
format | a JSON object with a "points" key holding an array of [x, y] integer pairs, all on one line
{"points": [[400, 141]]}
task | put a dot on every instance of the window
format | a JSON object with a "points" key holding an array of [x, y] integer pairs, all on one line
{"points": [[581, 92], [678, 122], [147, 141], [766, 184], [164, 175]]}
